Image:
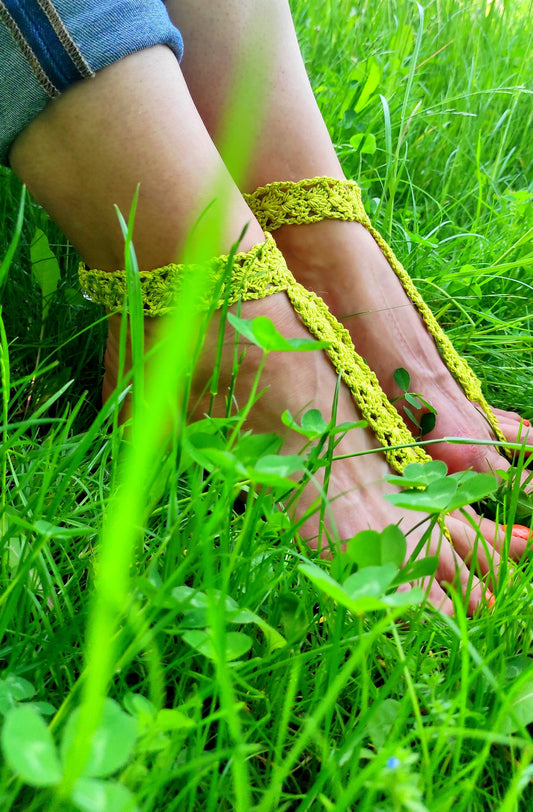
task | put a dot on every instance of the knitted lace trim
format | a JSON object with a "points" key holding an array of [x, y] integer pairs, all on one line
{"points": [[254, 275], [312, 200]]}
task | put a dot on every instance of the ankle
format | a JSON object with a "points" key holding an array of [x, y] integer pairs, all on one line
{"points": [[334, 258]]}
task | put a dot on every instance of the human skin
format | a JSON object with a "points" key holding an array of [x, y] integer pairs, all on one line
{"points": [[78, 161], [252, 45]]}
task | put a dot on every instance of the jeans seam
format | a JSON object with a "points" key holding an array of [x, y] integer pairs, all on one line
{"points": [[65, 39], [49, 88]]}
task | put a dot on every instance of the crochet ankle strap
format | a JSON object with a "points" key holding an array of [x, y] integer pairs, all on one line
{"points": [[307, 201], [254, 275], [314, 199]]}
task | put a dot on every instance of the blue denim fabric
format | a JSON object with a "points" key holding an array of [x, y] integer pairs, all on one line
{"points": [[46, 46]]}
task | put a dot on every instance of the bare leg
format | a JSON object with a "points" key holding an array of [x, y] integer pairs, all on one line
{"points": [[78, 160], [131, 125], [338, 260]]}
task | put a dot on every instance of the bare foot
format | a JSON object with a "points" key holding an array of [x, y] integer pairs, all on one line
{"points": [[356, 490], [343, 264]]}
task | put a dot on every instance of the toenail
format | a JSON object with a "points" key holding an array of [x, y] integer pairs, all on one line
{"points": [[526, 422], [519, 531], [491, 601]]}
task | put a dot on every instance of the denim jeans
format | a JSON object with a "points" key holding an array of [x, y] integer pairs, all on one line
{"points": [[47, 46]]}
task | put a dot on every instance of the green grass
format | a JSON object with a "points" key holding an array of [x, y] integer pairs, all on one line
{"points": [[251, 682]]}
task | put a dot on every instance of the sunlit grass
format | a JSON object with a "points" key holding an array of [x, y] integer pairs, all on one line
{"points": [[250, 686]]}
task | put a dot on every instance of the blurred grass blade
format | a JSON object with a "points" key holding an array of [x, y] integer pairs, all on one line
{"points": [[6, 262]]}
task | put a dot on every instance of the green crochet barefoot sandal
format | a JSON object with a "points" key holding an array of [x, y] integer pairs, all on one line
{"points": [[312, 200], [254, 275]]}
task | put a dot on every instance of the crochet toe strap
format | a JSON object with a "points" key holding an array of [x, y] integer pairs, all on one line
{"points": [[314, 199], [383, 419]]}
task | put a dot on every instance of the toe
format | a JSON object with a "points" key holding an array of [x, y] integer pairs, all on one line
{"points": [[516, 431], [439, 599], [521, 537], [510, 417], [521, 540], [476, 545]]}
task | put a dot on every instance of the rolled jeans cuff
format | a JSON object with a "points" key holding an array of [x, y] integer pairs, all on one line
{"points": [[45, 47]]}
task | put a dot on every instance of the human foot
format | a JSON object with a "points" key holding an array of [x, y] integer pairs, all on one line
{"points": [[343, 264], [357, 487]]}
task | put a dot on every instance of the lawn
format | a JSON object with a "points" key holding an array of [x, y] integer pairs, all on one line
{"points": [[222, 664]]}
